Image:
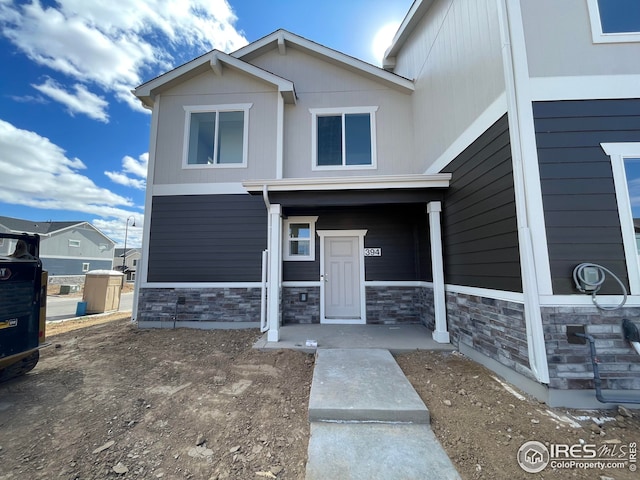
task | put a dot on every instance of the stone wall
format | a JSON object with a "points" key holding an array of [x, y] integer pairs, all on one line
{"points": [[201, 305], [394, 305], [294, 310], [495, 328], [66, 279], [570, 364]]}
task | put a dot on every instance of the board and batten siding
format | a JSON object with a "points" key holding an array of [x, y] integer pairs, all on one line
{"points": [[455, 56], [578, 194], [321, 84], [208, 89], [479, 215], [401, 231], [207, 238]]}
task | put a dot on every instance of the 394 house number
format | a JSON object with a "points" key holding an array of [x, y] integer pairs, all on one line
{"points": [[373, 252]]}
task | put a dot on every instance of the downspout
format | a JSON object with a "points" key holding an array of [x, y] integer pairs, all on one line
{"points": [[264, 324], [533, 316]]}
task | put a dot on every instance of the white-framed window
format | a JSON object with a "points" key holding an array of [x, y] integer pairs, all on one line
{"points": [[614, 21], [300, 238], [85, 267], [74, 243], [135, 262], [625, 164], [343, 138], [216, 136]]}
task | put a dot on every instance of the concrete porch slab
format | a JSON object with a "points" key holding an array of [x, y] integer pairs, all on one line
{"points": [[362, 385], [395, 338]]}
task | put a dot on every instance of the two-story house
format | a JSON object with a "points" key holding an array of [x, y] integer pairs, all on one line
{"points": [[458, 187], [68, 250]]}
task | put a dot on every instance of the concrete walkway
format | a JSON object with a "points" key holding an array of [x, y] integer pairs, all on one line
{"points": [[368, 423]]}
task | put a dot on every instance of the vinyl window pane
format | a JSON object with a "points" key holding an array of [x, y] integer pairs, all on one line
{"points": [[299, 247], [230, 137], [299, 230], [201, 138], [358, 139], [619, 16], [329, 140]]}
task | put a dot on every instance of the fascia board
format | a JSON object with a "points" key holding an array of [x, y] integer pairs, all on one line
{"points": [[147, 91], [440, 180], [416, 12], [328, 54]]}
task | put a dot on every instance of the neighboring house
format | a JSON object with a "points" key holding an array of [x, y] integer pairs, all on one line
{"points": [[66, 248], [457, 187], [127, 264]]}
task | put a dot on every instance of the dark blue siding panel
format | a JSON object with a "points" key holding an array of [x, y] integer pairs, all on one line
{"points": [[578, 193], [479, 215], [207, 238]]}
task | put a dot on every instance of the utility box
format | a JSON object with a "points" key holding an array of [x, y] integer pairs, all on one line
{"points": [[102, 290]]}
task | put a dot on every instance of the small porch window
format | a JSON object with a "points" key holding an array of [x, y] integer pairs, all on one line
{"points": [[300, 241]]}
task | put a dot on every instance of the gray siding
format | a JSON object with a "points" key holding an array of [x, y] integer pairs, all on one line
{"points": [[578, 193], [400, 230], [207, 238], [72, 266], [479, 215]]}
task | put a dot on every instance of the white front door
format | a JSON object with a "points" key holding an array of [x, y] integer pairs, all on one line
{"points": [[342, 272]]}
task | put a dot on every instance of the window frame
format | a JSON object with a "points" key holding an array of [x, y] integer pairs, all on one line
{"points": [[74, 243], [85, 267], [232, 107], [618, 152], [287, 239], [599, 36], [321, 112]]}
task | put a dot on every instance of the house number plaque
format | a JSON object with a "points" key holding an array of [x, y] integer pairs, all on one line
{"points": [[373, 252]]}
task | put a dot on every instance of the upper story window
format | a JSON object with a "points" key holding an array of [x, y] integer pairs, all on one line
{"points": [[343, 138], [300, 238], [615, 21], [216, 136], [74, 243]]}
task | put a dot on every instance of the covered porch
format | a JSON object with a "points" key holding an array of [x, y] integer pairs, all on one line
{"points": [[357, 250]]}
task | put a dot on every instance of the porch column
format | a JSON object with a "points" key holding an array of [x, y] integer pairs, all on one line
{"points": [[440, 334], [275, 261]]}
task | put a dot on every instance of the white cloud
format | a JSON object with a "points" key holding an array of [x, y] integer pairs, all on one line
{"points": [[116, 228], [81, 101], [37, 173], [117, 45], [138, 168]]}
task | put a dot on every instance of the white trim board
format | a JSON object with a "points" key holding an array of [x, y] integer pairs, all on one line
{"points": [[584, 87], [581, 300], [486, 293]]}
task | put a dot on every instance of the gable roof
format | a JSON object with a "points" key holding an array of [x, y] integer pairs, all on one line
{"points": [[283, 39], [240, 60], [28, 226], [48, 228], [119, 252], [214, 60]]}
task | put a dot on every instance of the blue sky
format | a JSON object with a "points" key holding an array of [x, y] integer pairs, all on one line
{"points": [[74, 140]]}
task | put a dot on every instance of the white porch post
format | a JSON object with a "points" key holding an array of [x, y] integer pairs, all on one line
{"points": [[440, 334], [275, 259]]}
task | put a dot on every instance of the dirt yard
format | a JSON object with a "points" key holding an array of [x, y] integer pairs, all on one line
{"points": [[110, 401]]}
